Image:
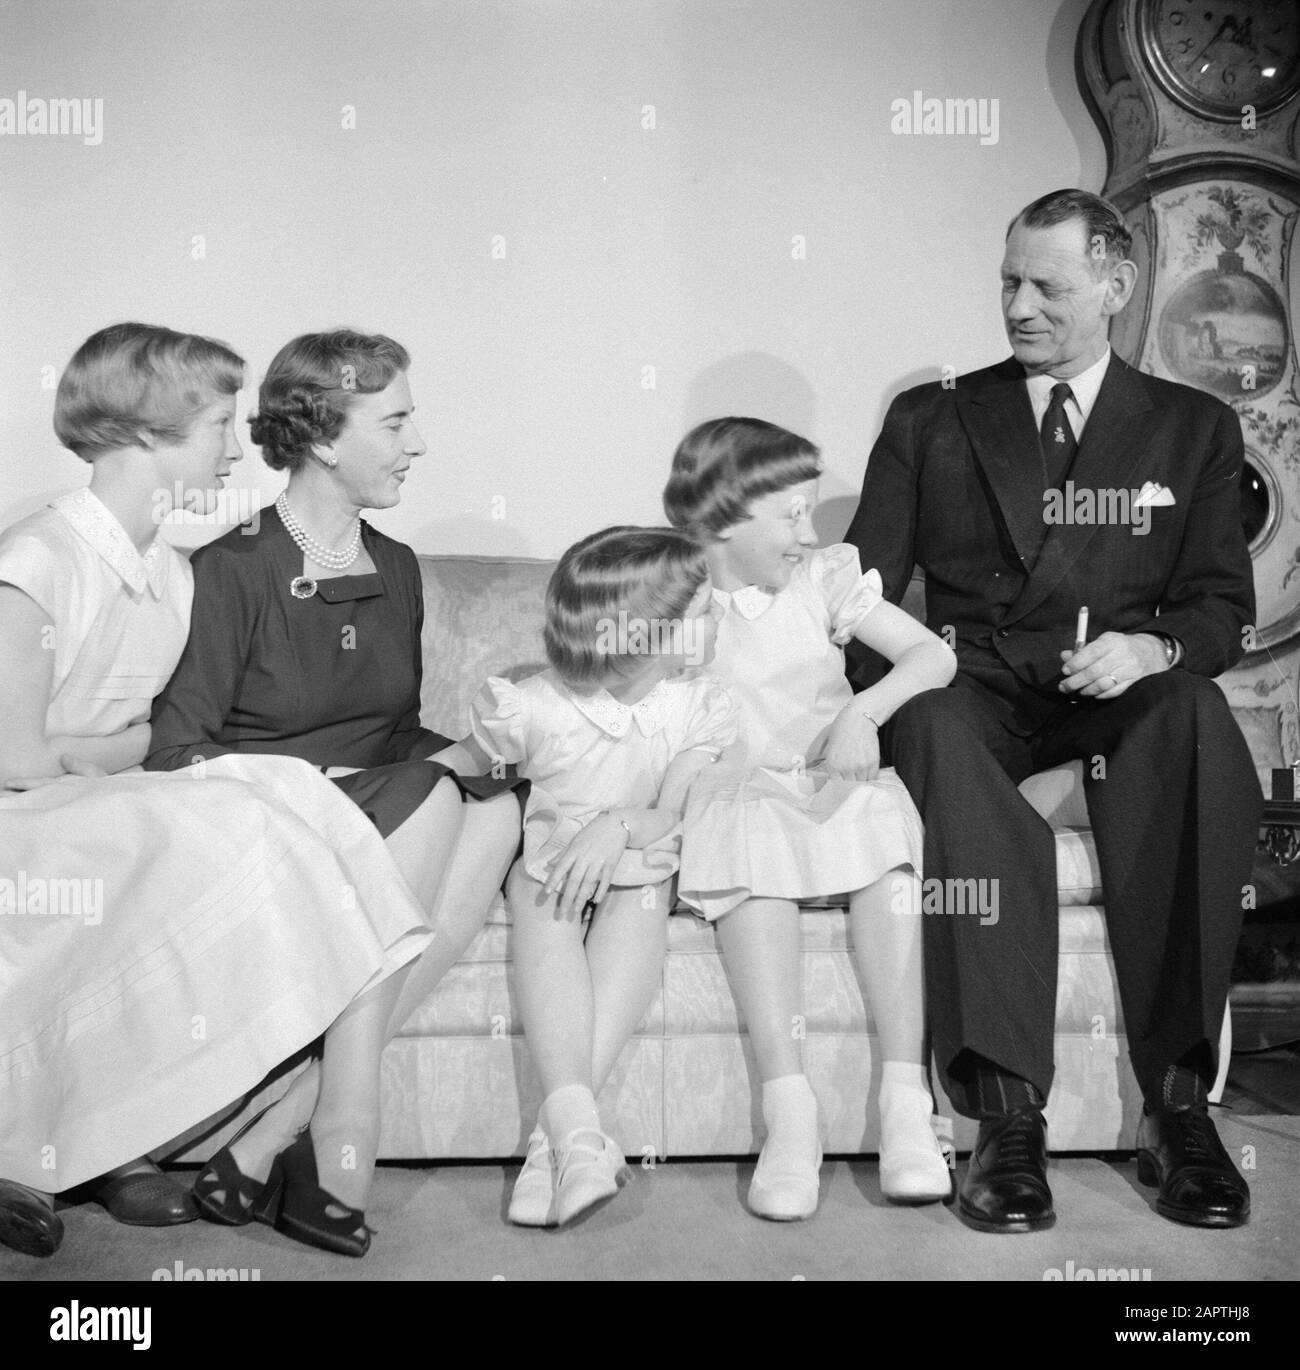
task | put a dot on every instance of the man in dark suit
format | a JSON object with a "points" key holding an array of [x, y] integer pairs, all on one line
{"points": [[1057, 479]]}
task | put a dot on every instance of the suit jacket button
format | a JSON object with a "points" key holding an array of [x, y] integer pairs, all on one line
{"points": [[1002, 632]]}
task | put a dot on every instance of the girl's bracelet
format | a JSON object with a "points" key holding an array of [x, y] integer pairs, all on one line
{"points": [[622, 822]]}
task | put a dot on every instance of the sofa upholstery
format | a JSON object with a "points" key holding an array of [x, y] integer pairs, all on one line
{"points": [[458, 1081]]}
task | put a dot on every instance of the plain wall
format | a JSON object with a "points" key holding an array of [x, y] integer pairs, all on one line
{"points": [[626, 247]]}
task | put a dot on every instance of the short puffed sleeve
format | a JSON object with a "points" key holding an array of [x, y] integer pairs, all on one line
{"points": [[848, 592], [28, 564], [498, 721], [714, 720]]}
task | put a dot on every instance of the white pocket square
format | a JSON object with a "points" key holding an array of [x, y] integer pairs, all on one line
{"points": [[1153, 493]]}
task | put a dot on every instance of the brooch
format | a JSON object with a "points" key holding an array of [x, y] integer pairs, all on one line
{"points": [[302, 587]]}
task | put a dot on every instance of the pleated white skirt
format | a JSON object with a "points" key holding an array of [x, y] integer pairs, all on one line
{"points": [[168, 938]]}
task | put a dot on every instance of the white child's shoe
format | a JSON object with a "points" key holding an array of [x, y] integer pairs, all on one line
{"points": [[586, 1174], [785, 1187], [532, 1201], [785, 1183], [913, 1167]]}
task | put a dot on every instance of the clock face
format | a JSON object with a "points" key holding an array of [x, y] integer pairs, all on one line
{"points": [[1215, 56]]}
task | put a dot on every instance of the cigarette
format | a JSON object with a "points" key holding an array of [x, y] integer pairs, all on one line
{"points": [[1081, 629]]}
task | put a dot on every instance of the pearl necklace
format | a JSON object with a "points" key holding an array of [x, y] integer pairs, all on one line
{"points": [[310, 548]]}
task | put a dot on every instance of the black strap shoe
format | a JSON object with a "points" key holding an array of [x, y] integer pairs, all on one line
{"points": [[1179, 1150], [1005, 1186], [28, 1224]]}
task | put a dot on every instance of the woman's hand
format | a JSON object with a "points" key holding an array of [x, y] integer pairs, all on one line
{"points": [[582, 874], [113, 752], [72, 765], [853, 746]]}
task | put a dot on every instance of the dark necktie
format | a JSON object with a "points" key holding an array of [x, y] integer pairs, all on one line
{"points": [[1057, 437]]}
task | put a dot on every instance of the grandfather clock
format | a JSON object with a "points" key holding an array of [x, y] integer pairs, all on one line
{"points": [[1199, 103]]}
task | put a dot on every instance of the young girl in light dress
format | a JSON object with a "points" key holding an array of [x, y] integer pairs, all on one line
{"points": [[610, 736], [800, 808]]}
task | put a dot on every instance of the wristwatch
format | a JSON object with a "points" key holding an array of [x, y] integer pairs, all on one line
{"points": [[1173, 648]]}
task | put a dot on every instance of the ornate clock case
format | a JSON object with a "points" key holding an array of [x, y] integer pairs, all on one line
{"points": [[1199, 102]]}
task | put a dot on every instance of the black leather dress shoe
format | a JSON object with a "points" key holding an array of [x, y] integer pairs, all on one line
{"points": [[1179, 1150], [27, 1224], [1005, 1186], [146, 1198]]}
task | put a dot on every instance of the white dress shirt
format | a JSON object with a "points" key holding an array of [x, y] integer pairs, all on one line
{"points": [[1085, 387]]}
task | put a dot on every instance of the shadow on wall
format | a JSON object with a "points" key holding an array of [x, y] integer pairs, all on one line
{"points": [[833, 516], [759, 386], [752, 385], [1065, 80]]}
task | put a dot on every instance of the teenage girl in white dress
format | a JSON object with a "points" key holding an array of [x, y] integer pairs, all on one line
{"points": [[801, 808]]}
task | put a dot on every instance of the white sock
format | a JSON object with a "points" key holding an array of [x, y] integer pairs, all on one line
{"points": [[790, 1112], [905, 1107], [571, 1108]]}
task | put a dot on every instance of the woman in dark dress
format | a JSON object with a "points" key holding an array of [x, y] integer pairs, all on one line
{"points": [[305, 641]]}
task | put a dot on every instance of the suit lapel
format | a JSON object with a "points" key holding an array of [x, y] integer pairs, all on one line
{"points": [[1113, 446], [999, 423]]}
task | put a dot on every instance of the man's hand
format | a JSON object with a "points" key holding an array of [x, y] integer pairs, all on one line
{"points": [[852, 747], [1108, 665], [588, 863]]}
